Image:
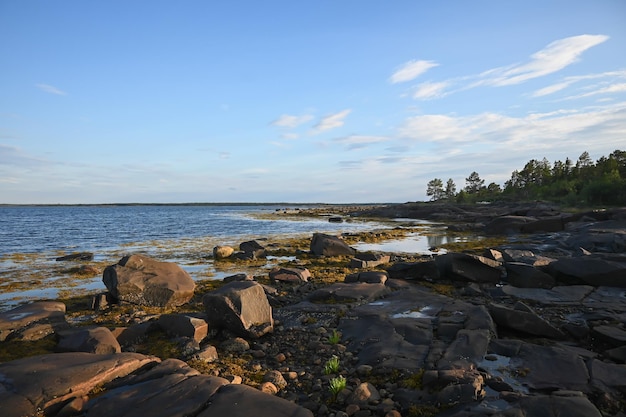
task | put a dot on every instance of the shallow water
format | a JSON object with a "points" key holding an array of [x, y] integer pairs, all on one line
{"points": [[31, 237]]}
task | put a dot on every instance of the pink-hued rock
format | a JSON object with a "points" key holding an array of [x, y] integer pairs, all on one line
{"points": [[27, 314], [46, 382]]}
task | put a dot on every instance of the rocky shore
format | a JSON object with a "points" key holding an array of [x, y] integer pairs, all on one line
{"points": [[533, 326]]}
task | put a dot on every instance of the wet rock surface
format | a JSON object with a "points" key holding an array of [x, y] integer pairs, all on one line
{"points": [[532, 329]]}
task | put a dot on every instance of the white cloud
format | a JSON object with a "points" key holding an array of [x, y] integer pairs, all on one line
{"points": [[287, 120], [430, 90], [50, 89], [554, 57], [559, 130], [551, 89], [332, 121], [411, 70], [290, 136], [611, 89], [360, 141]]}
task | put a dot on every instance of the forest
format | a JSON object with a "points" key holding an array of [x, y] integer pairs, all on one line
{"points": [[580, 183]]}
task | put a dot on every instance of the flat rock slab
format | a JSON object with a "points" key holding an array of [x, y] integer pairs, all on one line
{"points": [[349, 292], [172, 395], [607, 298], [46, 382], [24, 315], [562, 295], [400, 330]]}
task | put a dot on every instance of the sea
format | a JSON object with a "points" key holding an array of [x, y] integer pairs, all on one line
{"points": [[32, 237]]}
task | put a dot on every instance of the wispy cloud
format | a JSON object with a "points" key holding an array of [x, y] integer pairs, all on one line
{"points": [[332, 121], [411, 70], [50, 89], [287, 120], [607, 82], [430, 90], [359, 141], [553, 58]]}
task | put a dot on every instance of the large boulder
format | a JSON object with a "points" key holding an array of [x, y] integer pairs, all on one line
{"points": [[327, 245], [523, 275], [142, 280], [465, 267], [589, 270], [507, 224], [241, 307]]}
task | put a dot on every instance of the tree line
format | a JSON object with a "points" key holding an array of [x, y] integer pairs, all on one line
{"points": [[584, 182]]}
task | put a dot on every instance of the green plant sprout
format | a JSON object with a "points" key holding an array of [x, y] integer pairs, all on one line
{"points": [[337, 385], [332, 366], [334, 338]]}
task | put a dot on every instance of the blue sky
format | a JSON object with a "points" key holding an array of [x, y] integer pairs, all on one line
{"points": [[291, 101]]}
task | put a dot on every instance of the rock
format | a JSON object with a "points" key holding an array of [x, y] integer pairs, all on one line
{"points": [[348, 292], [47, 382], [368, 260], [469, 347], [465, 267], [527, 276], [327, 245], [546, 224], [127, 336], [241, 307], [49, 313], [612, 335], [550, 368], [276, 378], [369, 277], [560, 295], [589, 270], [507, 224], [138, 279], [207, 354], [238, 277], [607, 376], [184, 325], [557, 405], [293, 275], [268, 388], [235, 346], [425, 270], [237, 400], [251, 250], [364, 394], [79, 256], [98, 340], [522, 318], [223, 252]]}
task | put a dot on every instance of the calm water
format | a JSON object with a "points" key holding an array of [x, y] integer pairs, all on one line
{"points": [[94, 228], [31, 237]]}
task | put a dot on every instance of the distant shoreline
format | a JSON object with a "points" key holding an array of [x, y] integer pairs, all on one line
{"points": [[199, 204]]}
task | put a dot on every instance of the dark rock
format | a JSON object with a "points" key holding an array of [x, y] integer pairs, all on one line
{"points": [[238, 277], [523, 319], [527, 276], [98, 340], [348, 292], [368, 260], [613, 335], [79, 256], [141, 280], [249, 401], [507, 224], [589, 270], [327, 245], [465, 267], [558, 404], [425, 270], [546, 224], [561, 295], [607, 376], [241, 307], [469, 347], [251, 250], [184, 325], [369, 277]]}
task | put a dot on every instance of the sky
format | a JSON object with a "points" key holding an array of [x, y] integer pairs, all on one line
{"points": [[351, 101]]}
